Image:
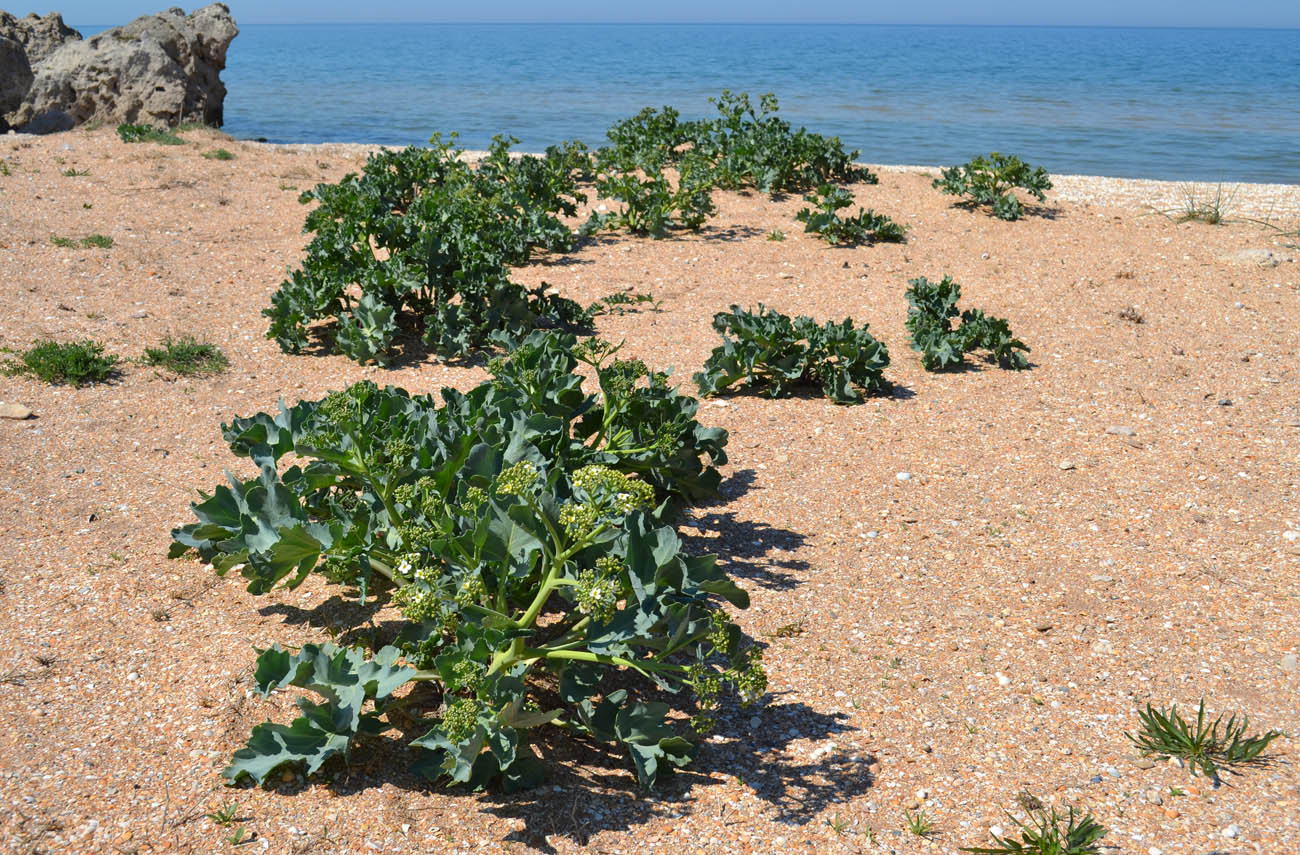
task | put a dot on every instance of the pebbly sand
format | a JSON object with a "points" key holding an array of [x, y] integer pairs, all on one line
{"points": [[1116, 526]]}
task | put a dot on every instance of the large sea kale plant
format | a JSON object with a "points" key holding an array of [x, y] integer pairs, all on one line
{"points": [[522, 530]]}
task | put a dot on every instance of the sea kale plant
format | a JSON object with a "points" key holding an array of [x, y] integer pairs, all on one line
{"points": [[521, 529], [826, 221], [932, 307], [744, 147], [777, 353], [423, 241], [991, 181]]}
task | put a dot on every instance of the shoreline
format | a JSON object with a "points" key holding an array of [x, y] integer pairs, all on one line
{"points": [[1269, 203]]}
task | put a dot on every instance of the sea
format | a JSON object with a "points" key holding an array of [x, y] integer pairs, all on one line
{"points": [[1175, 104]]}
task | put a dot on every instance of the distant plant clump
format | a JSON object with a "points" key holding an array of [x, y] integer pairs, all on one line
{"points": [[776, 353], [186, 357], [991, 181], [421, 244], [932, 307], [78, 363], [96, 241], [219, 154], [826, 221], [130, 133]]}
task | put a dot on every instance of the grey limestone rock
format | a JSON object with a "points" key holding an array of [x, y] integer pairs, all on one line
{"points": [[161, 69]]}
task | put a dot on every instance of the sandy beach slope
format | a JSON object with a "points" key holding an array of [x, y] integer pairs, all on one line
{"points": [[968, 590]]}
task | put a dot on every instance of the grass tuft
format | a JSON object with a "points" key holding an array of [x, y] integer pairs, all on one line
{"points": [[78, 363], [186, 357], [219, 154], [1204, 747], [919, 823], [1049, 833], [96, 240]]}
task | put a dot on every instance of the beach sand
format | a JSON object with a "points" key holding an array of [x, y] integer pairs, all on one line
{"points": [[1113, 527]]}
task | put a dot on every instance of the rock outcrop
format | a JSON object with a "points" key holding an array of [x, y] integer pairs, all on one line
{"points": [[160, 69]]}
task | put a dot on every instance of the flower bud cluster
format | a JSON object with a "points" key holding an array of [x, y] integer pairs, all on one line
{"points": [[460, 718], [518, 479], [599, 590]]}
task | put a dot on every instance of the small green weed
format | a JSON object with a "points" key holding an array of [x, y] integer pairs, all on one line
{"points": [[1205, 747], [226, 815], [837, 823], [75, 173], [919, 823], [78, 363], [96, 240], [186, 357], [219, 154], [620, 303], [776, 235], [147, 133], [239, 836], [1044, 834], [4, 167]]}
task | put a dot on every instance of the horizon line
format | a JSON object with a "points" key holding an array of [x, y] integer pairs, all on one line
{"points": [[279, 23]]}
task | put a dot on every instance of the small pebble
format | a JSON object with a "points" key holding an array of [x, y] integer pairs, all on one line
{"points": [[1112, 771], [1292, 535], [1232, 832], [133, 676], [140, 314], [1154, 797], [995, 830], [904, 476], [1289, 664], [1003, 679], [1172, 813], [1096, 779], [1225, 402], [1066, 465], [1146, 763], [1121, 430]]}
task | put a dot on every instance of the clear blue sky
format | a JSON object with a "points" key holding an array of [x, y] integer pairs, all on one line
{"points": [[1143, 13]]}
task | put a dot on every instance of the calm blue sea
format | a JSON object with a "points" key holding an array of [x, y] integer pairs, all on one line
{"points": [[1180, 104]]}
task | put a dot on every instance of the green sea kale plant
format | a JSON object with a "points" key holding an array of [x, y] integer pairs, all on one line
{"points": [[777, 353], [522, 530], [825, 220], [932, 308], [991, 181], [423, 241]]}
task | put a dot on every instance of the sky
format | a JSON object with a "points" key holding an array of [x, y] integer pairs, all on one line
{"points": [[1139, 13]]}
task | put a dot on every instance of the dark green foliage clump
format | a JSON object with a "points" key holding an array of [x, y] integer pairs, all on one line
{"points": [[428, 240], [991, 180], [1049, 833], [777, 353], [932, 307], [522, 529], [186, 357], [77, 363], [826, 221], [147, 133], [97, 241], [1206, 746]]}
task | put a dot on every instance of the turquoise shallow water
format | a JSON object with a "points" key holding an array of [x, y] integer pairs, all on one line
{"points": [[1179, 104]]}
